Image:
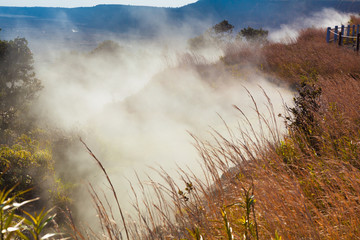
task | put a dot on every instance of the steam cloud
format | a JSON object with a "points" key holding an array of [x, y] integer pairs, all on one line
{"points": [[328, 17], [134, 110], [134, 106]]}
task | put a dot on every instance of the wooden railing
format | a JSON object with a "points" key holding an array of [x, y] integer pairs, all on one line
{"points": [[344, 36]]}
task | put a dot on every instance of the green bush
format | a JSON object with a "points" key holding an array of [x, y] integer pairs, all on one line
{"points": [[253, 35], [28, 165]]}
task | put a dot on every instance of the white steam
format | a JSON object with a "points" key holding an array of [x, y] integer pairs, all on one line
{"points": [[328, 17], [135, 106], [135, 111], [80, 85]]}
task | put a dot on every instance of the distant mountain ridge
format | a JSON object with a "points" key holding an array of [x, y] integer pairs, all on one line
{"points": [[147, 21]]}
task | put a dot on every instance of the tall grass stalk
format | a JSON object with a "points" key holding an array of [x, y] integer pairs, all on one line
{"points": [[305, 179], [111, 185]]}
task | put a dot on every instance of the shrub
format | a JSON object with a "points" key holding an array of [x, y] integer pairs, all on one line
{"points": [[28, 165], [253, 35]]}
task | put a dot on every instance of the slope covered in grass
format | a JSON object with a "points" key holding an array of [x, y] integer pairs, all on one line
{"points": [[258, 182], [301, 185]]}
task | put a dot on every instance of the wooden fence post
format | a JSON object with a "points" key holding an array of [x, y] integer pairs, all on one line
{"points": [[357, 42], [347, 40], [357, 29], [353, 31], [341, 35], [328, 34], [336, 34], [340, 38]]}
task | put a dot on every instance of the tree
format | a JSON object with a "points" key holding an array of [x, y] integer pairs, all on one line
{"points": [[223, 27], [222, 32], [253, 35], [18, 83], [217, 35], [26, 160]]}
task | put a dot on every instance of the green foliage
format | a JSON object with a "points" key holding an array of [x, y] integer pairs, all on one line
{"points": [[24, 164], [18, 84], [222, 33], [37, 222], [15, 226], [307, 104], [287, 151], [247, 221], [195, 233], [304, 115], [223, 27], [277, 236], [217, 36], [8, 224], [25, 152], [253, 35], [29, 165], [227, 227]]}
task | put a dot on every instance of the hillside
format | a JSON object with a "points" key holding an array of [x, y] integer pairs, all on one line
{"points": [[122, 19], [303, 184], [260, 182], [270, 168]]}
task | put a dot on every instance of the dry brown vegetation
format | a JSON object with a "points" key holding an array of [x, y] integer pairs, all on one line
{"points": [[308, 54], [354, 19], [263, 185]]}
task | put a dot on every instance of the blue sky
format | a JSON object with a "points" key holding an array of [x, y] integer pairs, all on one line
{"points": [[88, 3]]}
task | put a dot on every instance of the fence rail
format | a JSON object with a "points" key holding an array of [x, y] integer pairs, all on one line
{"points": [[349, 38]]}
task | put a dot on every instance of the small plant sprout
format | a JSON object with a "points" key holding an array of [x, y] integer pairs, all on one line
{"points": [[248, 205], [195, 233], [12, 225], [8, 224], [37, 222], [277, 236], [228, 229]]}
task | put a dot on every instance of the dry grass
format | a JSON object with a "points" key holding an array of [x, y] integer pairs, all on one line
{"points": [[355, 19], [305, 184], [310, 54], [307, 55]]}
